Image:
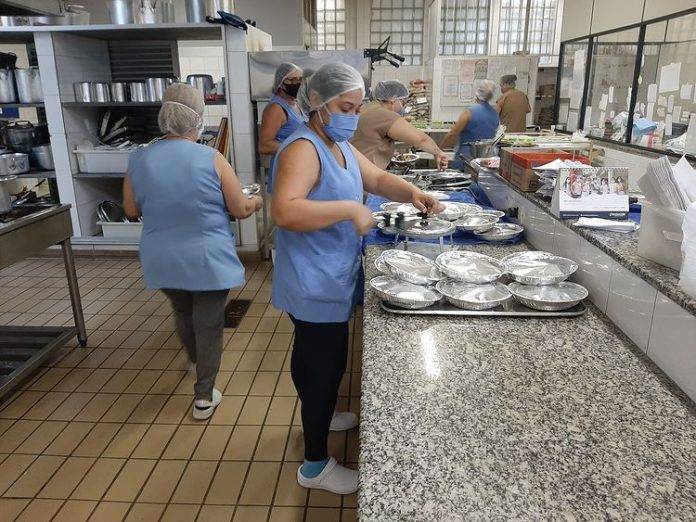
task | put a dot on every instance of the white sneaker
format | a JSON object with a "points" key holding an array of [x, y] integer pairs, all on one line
{"points": [[334, 478], [192, 367], [203, 409], [343, 421]]}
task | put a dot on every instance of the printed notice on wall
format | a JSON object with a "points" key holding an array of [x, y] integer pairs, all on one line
{"points": [[481, 69], [466, 71], [466, 92], [669, 77], [668, 125], [450, 86], [685, 92], [652, 92], [575, 98], [603, 102], [450, 66], [611, 94], [650, 110]]}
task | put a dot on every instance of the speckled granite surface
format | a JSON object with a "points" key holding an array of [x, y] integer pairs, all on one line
{"points": [[624, 249], [499, 419]]}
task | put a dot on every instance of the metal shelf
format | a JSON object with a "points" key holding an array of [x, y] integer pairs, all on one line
{"points": [[174, 31], [129, 104], [20, 105], [84, 175], [48, 174]]}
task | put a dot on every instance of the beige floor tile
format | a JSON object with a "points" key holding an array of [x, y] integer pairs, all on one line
{"points": [[49, 379], [43, 408], [139, 359], [350, 501], [154, 441], [161, 359], [281, 411], [242, 443], [349, 515], [110, 512], [230, 360], [69, 439], [180, 513], [67, 477], [260, 340], [320, 498], [12, 468], [260, 483], [272, 361], [250, 361], [287, 514], [122, 408], [127, 485], [73, 379], [213, 443], [120, 380], [11, 507], [95, 408], [317, 514], [148, 409], [98, 479], [39, 509], [254, 410], [145, 512], [41, 437], [183, 442], [97, 440], [264, 383], [95, 358], [21, 404], [251, 514], [175, 409], [227, 483], [75, 511], [239, 341], [294, 452], [117, 358], [272, 443], [144, 381], [289, 492], [96, 380], [17, 434], [71, 406], [216, 513], [194, 482], [280, 342], [162, 481], [285, 386], [240, 383], [35, 476], [228, 412]]}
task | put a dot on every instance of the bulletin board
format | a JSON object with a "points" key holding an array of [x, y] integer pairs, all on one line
{"points": [[456, 78]]}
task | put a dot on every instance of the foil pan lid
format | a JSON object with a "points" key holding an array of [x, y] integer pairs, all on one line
{"points": [[501, 231], [430, 227], [563, 292], [394, 206], [539, 264], [468, 265], [417, 268], [390, 287], [473, 293]]}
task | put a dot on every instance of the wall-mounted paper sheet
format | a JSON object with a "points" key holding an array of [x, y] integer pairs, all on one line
{"points": [[572, 124], [563, 113], [676, 113], [603, 102], [450, 86], [466, 91], [662, 100], [641, 108], [611, 114], [466, 71], [669, 77], [450, 66], [685, 93], [661, 112], [649, 111], [670, 102], [588, 118], [575, 98], [611, 94], [652, 92], [602, 118], [668, 125]]}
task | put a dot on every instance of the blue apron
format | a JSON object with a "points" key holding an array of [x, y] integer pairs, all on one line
{"points": [[482, 126], [292, 122], [187, 242], [316, 273]]}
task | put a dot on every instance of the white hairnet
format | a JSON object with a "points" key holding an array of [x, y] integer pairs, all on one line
{"points": [[330, 81], [282, 72], [303, 98], [508, 79], [182, 109], [389, 90], [485, 90]]}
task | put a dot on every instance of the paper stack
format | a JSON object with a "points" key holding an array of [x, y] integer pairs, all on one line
{"points": [[668, 186], [549, 172]]}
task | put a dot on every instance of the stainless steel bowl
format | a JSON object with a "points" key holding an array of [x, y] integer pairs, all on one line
{"points": [[251, 190], [430, 228], [470, 267], [501, 232], [538, 268], [549, 298], [472, 296], [405, 160], [411, 267], [395, 206], [403, 294], [476, 222]]}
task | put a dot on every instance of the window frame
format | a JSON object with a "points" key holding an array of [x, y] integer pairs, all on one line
{"points": [[394, 45], [321, 35]]}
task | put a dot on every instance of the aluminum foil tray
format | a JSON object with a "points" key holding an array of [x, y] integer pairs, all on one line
{"points": [[538, 268], [550, 298], [470, 267], [477, 222], [474, 297], [501, 232], [411, 267], [510, 309], [403, 294], [431, 228]]}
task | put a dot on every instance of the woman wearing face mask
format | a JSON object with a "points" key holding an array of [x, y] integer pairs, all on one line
{"points": [[317, 205], [382, 123], [184, 191], [282, 115]]}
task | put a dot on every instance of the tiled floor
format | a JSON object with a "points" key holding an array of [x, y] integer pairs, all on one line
{"points": [[105, 432]]}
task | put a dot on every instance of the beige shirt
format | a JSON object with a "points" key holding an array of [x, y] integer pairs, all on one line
{"points": [[513, 107], [371, 138]]}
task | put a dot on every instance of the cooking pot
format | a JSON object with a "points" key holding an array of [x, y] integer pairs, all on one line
{"points": [[118, 92], [202, 82], [101, 92], [481, 148], [156, 88], [120, 11], [14, 163], [7, 86], [42, 156], [83, 91], [22, 136], [29, 85], [197, 10], [146, 11], [138, 91]]}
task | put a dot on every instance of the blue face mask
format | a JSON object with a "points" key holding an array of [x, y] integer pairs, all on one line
{"points": [[341, 127]]}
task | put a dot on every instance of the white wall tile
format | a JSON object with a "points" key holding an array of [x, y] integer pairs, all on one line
{"points": [[238, 68], [673, 343], [630, 305], [594, 273], [540, 229], [244, 154], [242, 118]]}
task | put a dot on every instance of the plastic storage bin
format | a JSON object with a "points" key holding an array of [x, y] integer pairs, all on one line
{"points": [[102, 161], [121, 230], [660, 235]]}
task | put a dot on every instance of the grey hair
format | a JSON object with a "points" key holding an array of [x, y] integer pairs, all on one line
{"points": [[485, 90]]}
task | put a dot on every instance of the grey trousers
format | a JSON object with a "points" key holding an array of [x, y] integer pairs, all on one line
{"points": [[200, 319]]}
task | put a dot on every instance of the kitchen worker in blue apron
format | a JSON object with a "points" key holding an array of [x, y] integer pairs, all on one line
{"points": [[317, 206], [282, 116], [480, 121]]}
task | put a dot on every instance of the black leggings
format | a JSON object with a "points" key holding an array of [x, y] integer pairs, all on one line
{"points": [[318, 363]]}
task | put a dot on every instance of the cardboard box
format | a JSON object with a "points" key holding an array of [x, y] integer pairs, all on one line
{"points": [[523, 162]]}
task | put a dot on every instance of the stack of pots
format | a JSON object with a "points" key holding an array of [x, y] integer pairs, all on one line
{"points": [[18, 85], [150, 90]]}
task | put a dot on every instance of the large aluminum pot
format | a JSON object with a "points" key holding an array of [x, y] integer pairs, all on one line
{"points": [[197, 10], [166, 12], [481, 148], [202, 82], [156, 88], [120, 11], [29, 85], [83, 91], [118, 91], [145, 11], [42, 156], [21, 136], [8, 94], [15, 163], [101, 92], [138, 91]]}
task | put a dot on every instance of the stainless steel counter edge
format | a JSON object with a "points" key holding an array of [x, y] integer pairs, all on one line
{"points": [[33, 218]]}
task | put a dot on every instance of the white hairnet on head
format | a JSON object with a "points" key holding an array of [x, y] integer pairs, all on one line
{"points": [[485, 90], [330, 81], [182, 109], [282, 72], [389, 90], [303, 98]]}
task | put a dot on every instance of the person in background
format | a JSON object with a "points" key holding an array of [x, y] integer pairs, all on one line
{"points": [[478, 122], [513, 105], [282, 115], [184, 191], [382, 123], [317, 207]]}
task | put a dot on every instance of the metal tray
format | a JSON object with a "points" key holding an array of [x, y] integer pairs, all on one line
{"points": [[511, 309]]}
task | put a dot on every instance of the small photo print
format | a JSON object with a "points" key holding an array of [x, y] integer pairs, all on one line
{"points": [[583, 183]]}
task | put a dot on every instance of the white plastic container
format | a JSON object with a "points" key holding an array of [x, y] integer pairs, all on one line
{"points": [[102, 161], [660, 235], [121, 230]]}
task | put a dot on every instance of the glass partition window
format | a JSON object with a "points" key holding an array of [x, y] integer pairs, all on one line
{"points": [[464, 26], [572, 74], [402, 20], [331, 24]]}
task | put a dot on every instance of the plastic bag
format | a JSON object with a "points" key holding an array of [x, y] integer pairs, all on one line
{"points": [[687, 277]]}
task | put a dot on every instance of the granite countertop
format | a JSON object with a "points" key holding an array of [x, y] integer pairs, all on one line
{"points": [[623, 248], [485, 419]]}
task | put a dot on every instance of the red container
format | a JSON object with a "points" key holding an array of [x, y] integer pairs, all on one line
{"points": [[522, 174]]}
